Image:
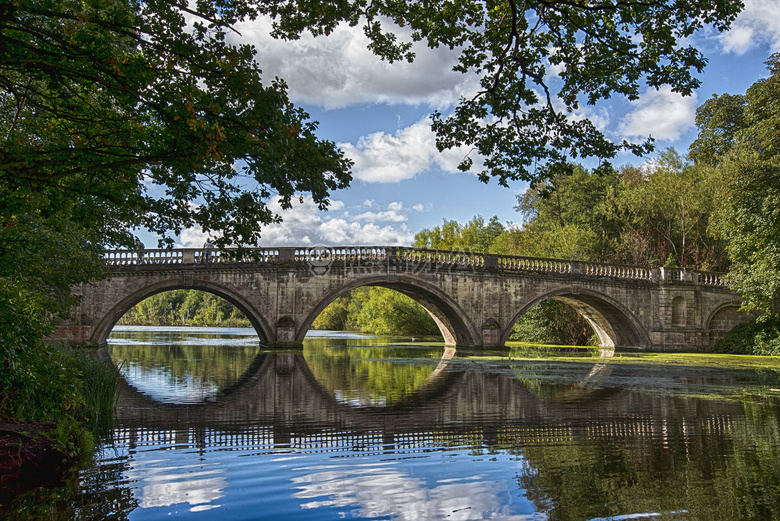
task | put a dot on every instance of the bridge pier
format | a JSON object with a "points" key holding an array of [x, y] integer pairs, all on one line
{"points": [[491, 335], [74, 335]]}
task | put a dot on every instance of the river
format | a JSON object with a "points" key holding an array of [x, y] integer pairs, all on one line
{"points": [[211, 426]]}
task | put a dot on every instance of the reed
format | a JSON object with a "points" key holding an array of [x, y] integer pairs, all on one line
{"points": [[99, 389]]}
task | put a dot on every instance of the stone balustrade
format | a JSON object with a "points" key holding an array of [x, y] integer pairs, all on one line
{"points": [[416, 258]]}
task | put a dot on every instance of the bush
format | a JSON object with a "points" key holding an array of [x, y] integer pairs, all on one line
{"points": [[51, 383], [760, 336], [555, 323], [39, 385]]}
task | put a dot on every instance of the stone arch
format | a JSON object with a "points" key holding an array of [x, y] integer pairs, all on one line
{"points": [[454, 324], [106, 323], [613, 323], [723, 319], [679, 311]]}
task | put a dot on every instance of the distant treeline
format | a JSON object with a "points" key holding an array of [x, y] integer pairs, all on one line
{"points": [[183, 307]]}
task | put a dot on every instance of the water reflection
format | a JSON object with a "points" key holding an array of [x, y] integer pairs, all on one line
{"points": [[182, 365], [190, 365], [162, 484], [383, 490], [335, 431]]}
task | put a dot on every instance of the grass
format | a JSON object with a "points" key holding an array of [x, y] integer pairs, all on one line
{"points": [[99, 390], [53, 383]]}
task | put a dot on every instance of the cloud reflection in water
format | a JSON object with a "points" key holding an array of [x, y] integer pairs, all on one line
{"points": [[163, 486], [380, 490]]}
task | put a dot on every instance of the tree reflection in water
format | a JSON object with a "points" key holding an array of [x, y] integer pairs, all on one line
{"points": [[469, 438]]}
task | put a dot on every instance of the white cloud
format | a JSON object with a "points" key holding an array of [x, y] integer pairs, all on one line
{"points": [[305, 225], [383, 158], [388, 216], [661, 113], [757, 24], [338, 70], [340, 232]]}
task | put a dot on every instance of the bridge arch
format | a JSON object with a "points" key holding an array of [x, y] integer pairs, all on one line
{"points": [[453, 322], [613, 323], [723, 318], [106, 323]]}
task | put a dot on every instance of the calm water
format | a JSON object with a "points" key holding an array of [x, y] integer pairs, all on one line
{"points": [[209, 426]]}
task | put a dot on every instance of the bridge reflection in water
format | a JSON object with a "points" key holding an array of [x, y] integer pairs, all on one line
{"points": [[507, 439]]}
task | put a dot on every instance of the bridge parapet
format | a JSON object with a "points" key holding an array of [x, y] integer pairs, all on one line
{"points": [[188, 256], [414, 258]]}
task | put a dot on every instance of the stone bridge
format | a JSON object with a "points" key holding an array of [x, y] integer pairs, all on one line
{"points": [[474, 298]]}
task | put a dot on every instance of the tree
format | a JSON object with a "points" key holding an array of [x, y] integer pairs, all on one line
{"points": [[663, 211], [563, 216], [388, 312], [335, 317], [474, 236], [379, 311], [518, 120], [739, 138], [139, 110]]}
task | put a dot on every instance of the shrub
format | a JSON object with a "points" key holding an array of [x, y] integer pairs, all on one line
{"points": [[760, 336], [53, 383], [39, 385]]}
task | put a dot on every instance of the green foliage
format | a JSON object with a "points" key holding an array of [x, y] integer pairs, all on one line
{"points": [[663, 212], [553, 323], [379, 311], [563, 217], [99, 389], [518, 120], [474, 236], [739, 139], [652, 216], [40, 385], [335, 317], [185, 307], [53, 383], [40, 259], [70, 438], [760, 336], [388, 312], [135, 110]]}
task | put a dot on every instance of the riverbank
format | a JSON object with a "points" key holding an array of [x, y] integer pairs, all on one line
{"points": [[53, 407], [36, 454]]}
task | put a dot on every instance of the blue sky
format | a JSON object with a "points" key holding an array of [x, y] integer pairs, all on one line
{"points": [[378, 113]]}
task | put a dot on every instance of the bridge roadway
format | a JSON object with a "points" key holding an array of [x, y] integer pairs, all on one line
{"points": [[474, 298]]}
